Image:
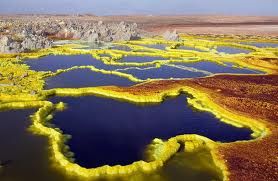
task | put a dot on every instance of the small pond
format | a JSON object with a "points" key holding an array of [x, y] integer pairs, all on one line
{"points": [[85, 78]]}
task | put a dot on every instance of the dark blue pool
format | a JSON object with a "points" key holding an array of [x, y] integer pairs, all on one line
{"points": [[163, 72], [106, 131], [232, 50], [53, 63], [85, 78]]}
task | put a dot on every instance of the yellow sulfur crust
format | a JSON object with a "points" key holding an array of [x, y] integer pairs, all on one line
{"points": [[18, 96]]}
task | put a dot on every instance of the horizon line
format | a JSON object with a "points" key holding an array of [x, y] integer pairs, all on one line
{"points": [[135, 14]]}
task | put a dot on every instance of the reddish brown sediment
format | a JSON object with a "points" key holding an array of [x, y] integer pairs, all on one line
{"points": [[254, 96]]}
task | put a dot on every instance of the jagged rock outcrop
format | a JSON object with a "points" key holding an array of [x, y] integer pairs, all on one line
{"points": [[174, 36], [111, 32], [99, 32], [23, 35], [5, 42], [33, 42]]}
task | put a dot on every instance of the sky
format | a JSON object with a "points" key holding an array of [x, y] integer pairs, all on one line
{"points": [[147, 7]]}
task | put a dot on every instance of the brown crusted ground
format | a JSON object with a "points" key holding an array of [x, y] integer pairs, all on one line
{"points": [[240, 25], [255, 96], [231, 29], [197, 24]]}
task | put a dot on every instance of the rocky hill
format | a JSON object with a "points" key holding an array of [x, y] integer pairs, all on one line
{"points": [[21, 35]]}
